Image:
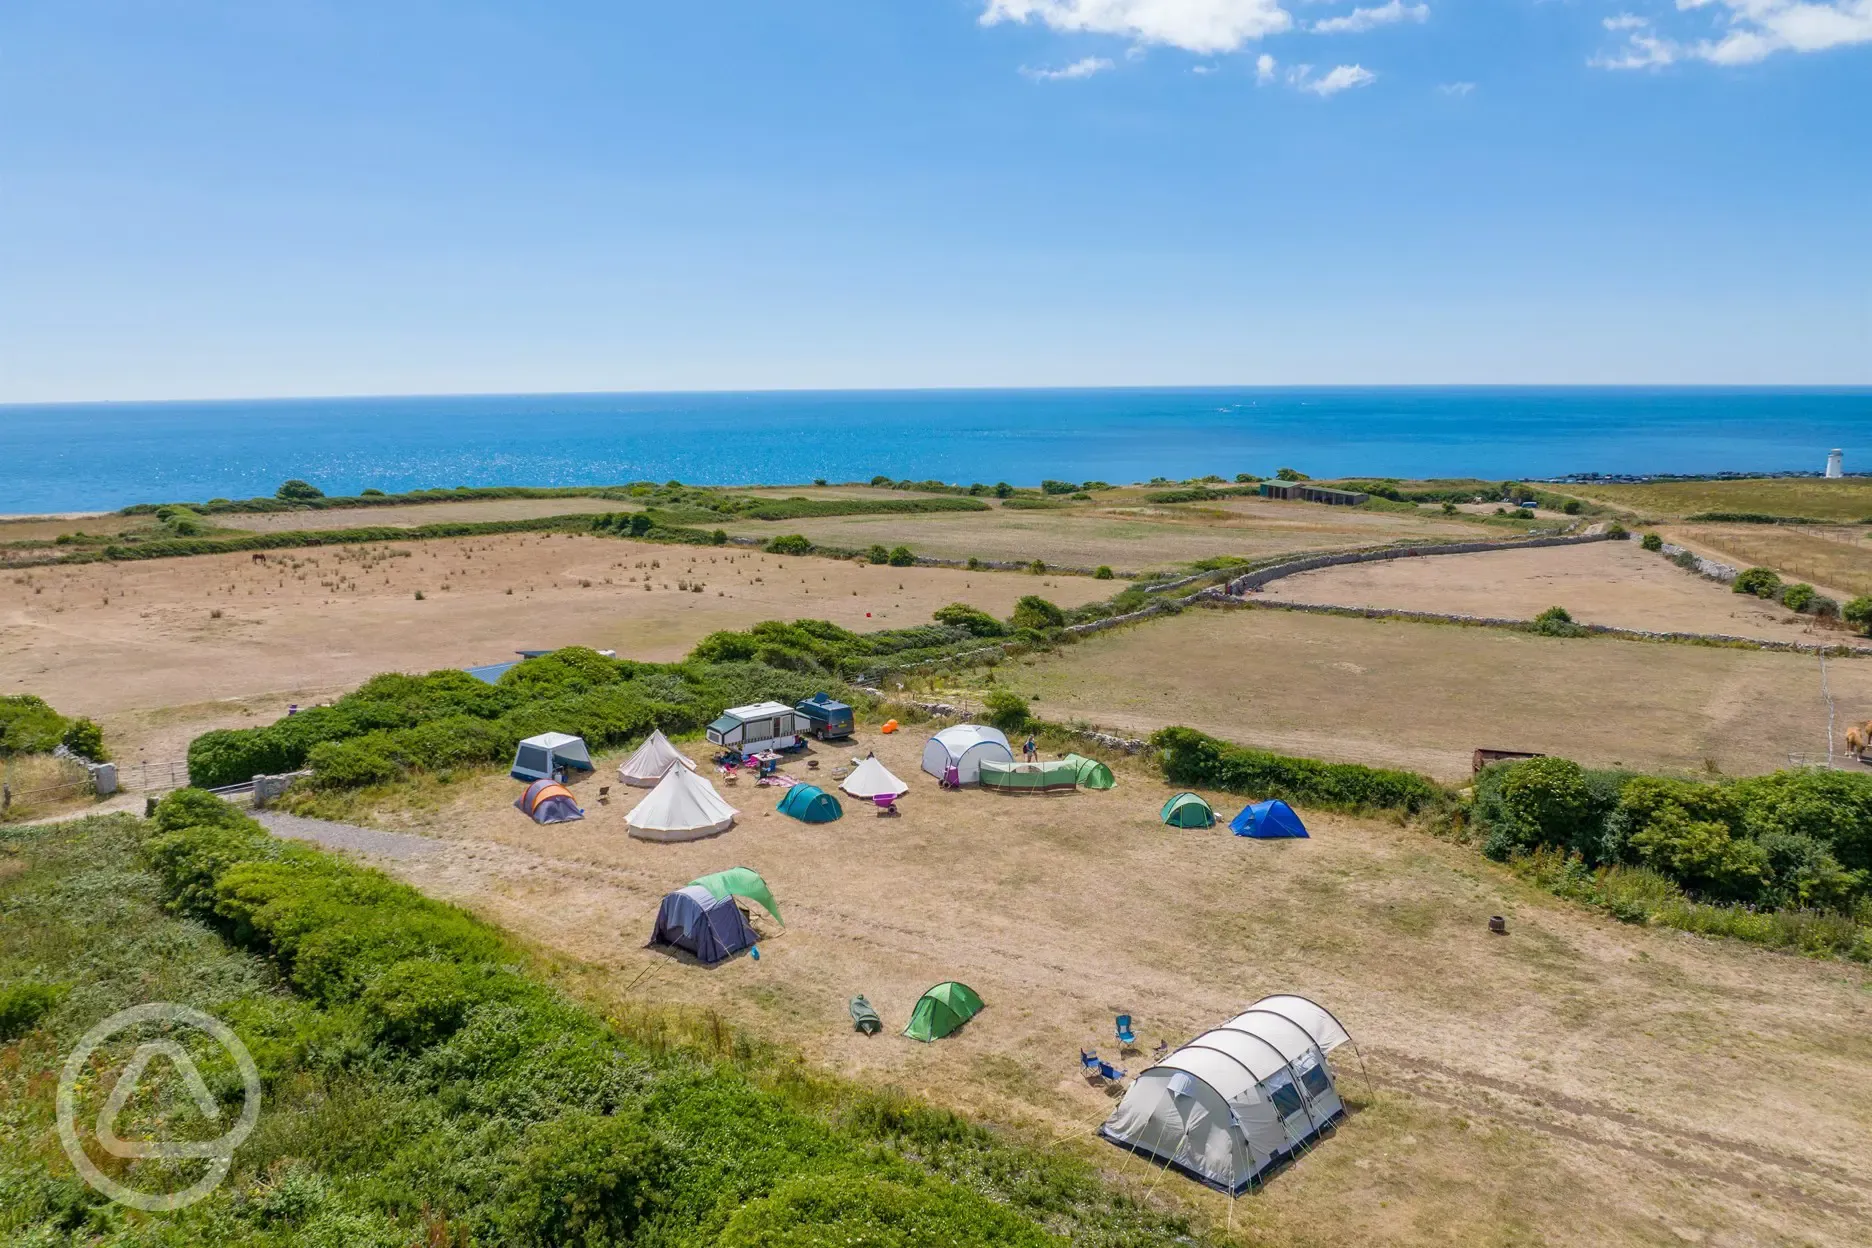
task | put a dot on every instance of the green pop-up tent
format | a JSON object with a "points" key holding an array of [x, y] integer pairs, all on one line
{"points": [[1092, 773], [1186, 810], [740, 882], [941, 1010]]}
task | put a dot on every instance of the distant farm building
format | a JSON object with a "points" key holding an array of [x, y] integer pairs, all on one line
{"points": [[1307, 492]]}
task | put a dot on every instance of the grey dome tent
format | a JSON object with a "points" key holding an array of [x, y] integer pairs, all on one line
{"points": [[1239, 1099], [696, 920]]}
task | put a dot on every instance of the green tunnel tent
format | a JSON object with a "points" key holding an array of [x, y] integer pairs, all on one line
{"points": [[1092, 773], [941, 1010], [1057, 776], [740, 882], [1186, 810], [810, 804]]}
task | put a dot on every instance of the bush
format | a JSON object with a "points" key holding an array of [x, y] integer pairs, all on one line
{"points": [[1652, 542], [1762, 582], [1102, 573], [586, 1179], [1557, 622], [1797, 597], [353, 764], [1003, 490], [1534, 803], [851, 1209], [1006, 710], [975, 620], [1823, 607], [1199, 761], [900, 557], [790, 544], [1571, 507], [23, 1005], [28, 725], [85, 739], [297, 491], [1058, 487], [1035, 612], [1858, 613], [1617, 532], [1289, 474]]}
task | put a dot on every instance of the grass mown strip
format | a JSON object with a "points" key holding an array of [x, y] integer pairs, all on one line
{"points": [[423, 1085]]}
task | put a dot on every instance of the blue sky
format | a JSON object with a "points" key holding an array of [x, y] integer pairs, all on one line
{"points": [[284, 197]]}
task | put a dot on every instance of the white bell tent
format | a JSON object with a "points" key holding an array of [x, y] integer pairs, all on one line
{"points": [[682, 807], [654, 757], [871, 778]]}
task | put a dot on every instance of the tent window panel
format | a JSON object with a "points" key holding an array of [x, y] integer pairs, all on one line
{"points": [[533, 758], [1314, 1079], [1286, 1097]]}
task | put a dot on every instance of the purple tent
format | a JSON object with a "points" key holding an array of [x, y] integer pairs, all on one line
{"points": [[708, 926]]}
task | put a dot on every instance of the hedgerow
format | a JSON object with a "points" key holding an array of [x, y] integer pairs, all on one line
{"points": [[1200, 761]]}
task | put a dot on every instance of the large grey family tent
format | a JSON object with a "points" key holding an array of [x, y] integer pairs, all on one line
{"points": [[1058, 776], [1268, 821], [941, 1010], [1239, 1099], [537, 758], [871, 778], [708, 926], [682, 807], [548, 801], [740, 882], [810, 804], [962, 749], [654, 757], [1186, 810], [1092, 773]]}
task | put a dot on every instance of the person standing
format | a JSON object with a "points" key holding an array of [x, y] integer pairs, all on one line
{"points": [[1031, 749]]}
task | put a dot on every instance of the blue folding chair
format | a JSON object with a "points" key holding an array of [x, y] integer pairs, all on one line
{"points": [[1125, 1034], [1089, 1059], [1108, 1071]]}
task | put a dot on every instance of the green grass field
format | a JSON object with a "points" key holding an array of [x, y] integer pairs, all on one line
{"points": [[1848, 499]]}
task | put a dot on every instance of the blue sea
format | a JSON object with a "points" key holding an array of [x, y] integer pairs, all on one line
{"points": [[76, 457]]}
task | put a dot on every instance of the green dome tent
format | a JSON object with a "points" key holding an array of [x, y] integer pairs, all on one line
{"points": [[1092, 773], [810, 804], [1186, 810], [941, 1010], [739, 882]]}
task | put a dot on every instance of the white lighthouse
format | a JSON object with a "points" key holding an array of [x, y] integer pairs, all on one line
{"points": [[1836, 463]]}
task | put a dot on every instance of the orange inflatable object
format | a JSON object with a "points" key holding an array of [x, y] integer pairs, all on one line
{"points": [[890, 725]]}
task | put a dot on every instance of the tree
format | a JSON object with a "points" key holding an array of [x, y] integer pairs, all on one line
{"points": [[1005, 710], [1003, 490], [1035, 612], [1057, 487], [297, 491], [1290, 474], [1858, 613]]}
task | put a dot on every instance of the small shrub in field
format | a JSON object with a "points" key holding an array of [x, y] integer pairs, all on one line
{"points": [[85, 739], [1571, 507], [1798, 596], [878, 554], [419, 595], [1102, 573], [1685, 560], [1037, 567], [1858, 613], [974, 564], [1617, 532], [1762, 582], [1651, 542], [1005, 710], [1557, 622], [1449, 509], [900, 557], [1823, 607], [790, 544], [297, 491], [974, 619], [1035, 612], [23, 1005]]}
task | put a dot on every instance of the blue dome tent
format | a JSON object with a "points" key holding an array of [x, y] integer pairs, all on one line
{"points": [[710, 927], [1268, 821]]}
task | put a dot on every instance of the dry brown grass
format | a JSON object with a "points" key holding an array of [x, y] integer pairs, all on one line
{"points": [[412, 514], [1423, 696], [1835, 559], [1575, 1083], [45, 528], [1134, 537], [98, 638], [1847, 499]]}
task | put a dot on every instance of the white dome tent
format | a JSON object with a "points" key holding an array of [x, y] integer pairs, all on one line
{"points": [[1239, 1099], [965, 747], [871, 778], [682, 807], [654, 757]]}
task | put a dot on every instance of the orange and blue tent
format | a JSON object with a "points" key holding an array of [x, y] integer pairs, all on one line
{"points": [[548, 801]]}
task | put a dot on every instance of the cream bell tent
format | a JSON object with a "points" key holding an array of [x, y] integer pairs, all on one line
{"points": [[1237, 1100], [963, 748], [654, 757], [871, 778], [682, 807]]}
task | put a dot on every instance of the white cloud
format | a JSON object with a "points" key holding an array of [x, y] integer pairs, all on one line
{"points": [[1202, 26], [1202, 69], [1264, 69], [1458, 89], [1340, 78], [1366, 19], [1084, 67], [1755, 30]]}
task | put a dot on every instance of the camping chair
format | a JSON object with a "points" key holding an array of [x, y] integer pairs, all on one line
{"points": [[864, 1017], [886, 804], [1089, 1059], [1126, 1036], [1161, 1051], [768, 769], [604, 795], [1110, 1072]]}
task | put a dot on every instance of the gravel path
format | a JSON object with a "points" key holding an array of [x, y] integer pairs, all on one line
{"points": [[347, 836]]}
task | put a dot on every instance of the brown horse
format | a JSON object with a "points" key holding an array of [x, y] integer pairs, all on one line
{"points": [[1858, 737]]}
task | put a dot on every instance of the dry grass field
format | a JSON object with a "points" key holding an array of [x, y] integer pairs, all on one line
{"points": [[410, 515], [100, 638], [1614, 583], [45, 528], [1575, 1083], [1423, 696], [1836, 559], [1846, 499], [1129, 537]]}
